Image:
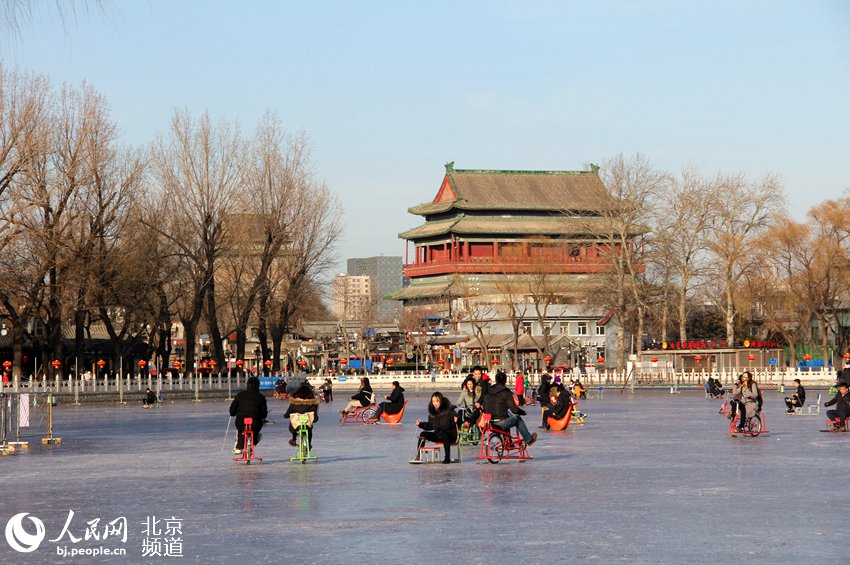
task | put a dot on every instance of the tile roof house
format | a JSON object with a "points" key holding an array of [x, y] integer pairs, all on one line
{"points": [[486, 229]]}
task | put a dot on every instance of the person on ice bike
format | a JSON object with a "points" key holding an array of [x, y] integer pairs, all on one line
{"points": [[498, 401], [747, 400]]}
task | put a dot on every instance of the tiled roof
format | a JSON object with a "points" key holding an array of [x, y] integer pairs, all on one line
{"points": [[516, 225], [521, 190]]}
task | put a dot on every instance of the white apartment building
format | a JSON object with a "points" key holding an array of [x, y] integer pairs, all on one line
{"points": [[352, 297]]}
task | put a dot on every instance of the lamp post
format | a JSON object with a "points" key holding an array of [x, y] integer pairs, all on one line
{"points": [[257, 352]]}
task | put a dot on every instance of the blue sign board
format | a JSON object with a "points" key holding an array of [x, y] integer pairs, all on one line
{"points": [[267, 383]]}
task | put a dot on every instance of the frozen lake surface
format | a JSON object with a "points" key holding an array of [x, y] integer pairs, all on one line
{"points": [[651, 478]]}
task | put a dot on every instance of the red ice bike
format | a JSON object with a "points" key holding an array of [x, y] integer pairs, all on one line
{"points": [[497, 444], [751, 426]]}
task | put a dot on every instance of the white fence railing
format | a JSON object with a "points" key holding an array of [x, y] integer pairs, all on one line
{"points": [[415, 381]]}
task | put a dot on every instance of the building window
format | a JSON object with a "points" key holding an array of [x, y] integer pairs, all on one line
{"points": [[526, 328], [581, 328], [600, 330], [565, 328], [547, 328]]}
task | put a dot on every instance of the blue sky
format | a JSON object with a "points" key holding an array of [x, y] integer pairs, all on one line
{"points": [[390, 91]]}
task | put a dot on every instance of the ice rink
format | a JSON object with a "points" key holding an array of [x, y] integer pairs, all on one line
{"points": [[650, 478]]}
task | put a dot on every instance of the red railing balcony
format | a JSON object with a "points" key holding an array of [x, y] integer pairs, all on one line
{"points": [[508, 265]]}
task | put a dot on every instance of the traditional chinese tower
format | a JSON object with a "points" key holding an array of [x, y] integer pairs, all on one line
{"points": [[484, 226]]}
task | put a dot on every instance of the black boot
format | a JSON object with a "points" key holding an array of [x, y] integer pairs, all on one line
{"points": [[420, 443], [448, 458]]}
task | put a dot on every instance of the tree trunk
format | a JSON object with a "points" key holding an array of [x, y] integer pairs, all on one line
{"points": [[730, 316], [621, 330], [212, 316], [190, 331], [639, 337], [683, 313]]}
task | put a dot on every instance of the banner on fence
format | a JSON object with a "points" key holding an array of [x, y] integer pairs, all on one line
{"points": [[24, 410]]}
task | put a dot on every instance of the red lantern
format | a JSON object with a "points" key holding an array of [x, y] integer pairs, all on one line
{"points": [[240, 362], [847, 355], [600, 359], [268, 363], [751, 357], [101, 363], [654, 360], [177, 364], [343, 361], [807, 357], [143, 364], [7, 364], [698, 358], [212, 363], [56, 363], [390, 361], [547, 358], [303, 363], [495, 361]]}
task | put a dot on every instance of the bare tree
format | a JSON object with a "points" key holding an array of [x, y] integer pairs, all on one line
{"points": [[280, 170], [512, 296], [632, 186], [24, 143], [784, 278], [681, 237], [298, 271], [199, 168], [741, 211], [830, 269], [476, 310]]}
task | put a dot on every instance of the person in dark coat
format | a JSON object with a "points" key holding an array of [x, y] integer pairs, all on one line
{"points": [[482, 380], [559, 408], [362, 398], [498, 401], [250, 403], [717, 388], [394, 404], [149, 399], [302, 401], [797, 399], [543, 390], [844, 373], [440, 427], [842, 405]]}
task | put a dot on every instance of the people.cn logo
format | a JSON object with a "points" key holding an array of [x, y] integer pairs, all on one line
{"points": [[21, 540]]}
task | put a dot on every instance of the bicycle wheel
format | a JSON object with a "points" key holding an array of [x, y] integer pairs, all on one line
{"points": [[302, 448], [367, 414], [495, 448], [754, 426]]}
